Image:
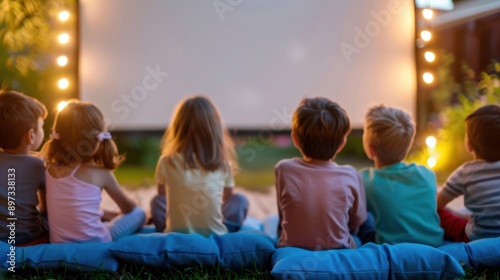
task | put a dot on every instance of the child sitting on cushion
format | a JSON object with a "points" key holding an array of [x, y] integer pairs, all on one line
{"points": [[319, 202], [477, 180], [195, 174], [23, 180], [401, 196], [81, 156]]}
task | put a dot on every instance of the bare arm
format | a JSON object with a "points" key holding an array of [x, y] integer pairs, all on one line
{"points": [[161, 189], [114, 190], [442, 200], [228, 192], [42, 201]]}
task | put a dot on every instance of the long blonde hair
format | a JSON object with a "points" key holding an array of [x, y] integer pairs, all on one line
{"points": [[75, 138], [198, 134]]}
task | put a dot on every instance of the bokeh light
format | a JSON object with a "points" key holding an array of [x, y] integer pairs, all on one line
{"points": [[63, 83], [62, 60], [63, 15]]}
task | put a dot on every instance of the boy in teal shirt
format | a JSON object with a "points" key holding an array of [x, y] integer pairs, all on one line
{"points": [[401, 196]]}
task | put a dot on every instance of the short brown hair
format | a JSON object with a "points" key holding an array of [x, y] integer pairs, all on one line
{"points": [[198, 134], [483, 131], [18, 114], [320, 126], [390, 131], [77, 127]]}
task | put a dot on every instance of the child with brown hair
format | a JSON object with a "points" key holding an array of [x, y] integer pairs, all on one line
{"points": [[320, 203], [401, 196], [23, 180], [194, 174], [477, 180], [80, 158]]}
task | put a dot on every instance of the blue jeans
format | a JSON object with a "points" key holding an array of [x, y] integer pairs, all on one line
{"points": [[126, 224], [234, 211]]}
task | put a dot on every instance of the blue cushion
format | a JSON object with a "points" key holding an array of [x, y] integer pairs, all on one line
{"points": [[251, 224], [410, 261], [270, 226], [245, 250], [71, 256], [483, 253], [166, 249], [233, 250]]}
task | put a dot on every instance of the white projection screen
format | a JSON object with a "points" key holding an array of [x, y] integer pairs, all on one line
{"points": [[255, 58]]}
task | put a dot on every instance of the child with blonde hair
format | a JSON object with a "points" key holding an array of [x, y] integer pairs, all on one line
{"points": [[477, 180], [320, 203], [401, 196], [80, 158], [194, 174], [22, 187]]}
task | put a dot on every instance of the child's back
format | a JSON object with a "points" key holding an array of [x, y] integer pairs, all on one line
{"points": [[23, 179], [401, 196], [319, 202], [478, 180]]}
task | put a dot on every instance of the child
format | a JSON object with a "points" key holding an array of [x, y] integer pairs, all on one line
{"points": [[477, 180], [81, 157], [22, 175], [401, 196], [195, 181], [319, 202]]}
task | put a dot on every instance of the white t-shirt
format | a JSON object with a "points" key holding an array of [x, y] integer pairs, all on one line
{"points": [[194, 196]]}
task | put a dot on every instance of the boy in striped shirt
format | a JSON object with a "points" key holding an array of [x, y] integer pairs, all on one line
{"points": [[477, 180]]}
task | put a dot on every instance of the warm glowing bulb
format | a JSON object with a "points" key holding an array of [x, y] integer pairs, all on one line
{"points": [[62, 60], [63, 16], [63, 83], [427, 13], [431, 142], [426, 35], [63, 38], [428, 77], [431, 162], [429, 56], [61, 105]]}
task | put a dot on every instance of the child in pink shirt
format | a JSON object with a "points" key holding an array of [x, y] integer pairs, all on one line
{"points": [[319, 202]]}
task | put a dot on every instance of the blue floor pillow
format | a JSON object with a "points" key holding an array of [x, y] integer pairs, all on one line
{"points": [[233, 250], [483, 253], [371, 261], [71, 256]]}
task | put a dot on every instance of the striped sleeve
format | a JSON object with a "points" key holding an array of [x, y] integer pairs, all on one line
{"points": [[454, 185]]}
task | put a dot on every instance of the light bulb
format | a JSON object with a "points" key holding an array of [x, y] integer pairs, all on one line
{"points": [[426, 35], [429, 56], [62, 60], [428, 77], [431, 141], [63, 83], [431, 162], [63, 38], [61, 105], [427, 13], [63, 15]]}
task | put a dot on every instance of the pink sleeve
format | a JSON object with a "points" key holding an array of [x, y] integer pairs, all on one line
{"points": [[357, 214]]}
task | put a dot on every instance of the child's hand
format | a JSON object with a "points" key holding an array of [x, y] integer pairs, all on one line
{"points": [[109, 215]]}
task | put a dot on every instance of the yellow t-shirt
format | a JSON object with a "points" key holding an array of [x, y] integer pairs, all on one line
{"points": [[194, 196]]}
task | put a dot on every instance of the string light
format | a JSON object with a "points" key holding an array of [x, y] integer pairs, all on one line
{"points": [[63, 83], [431, 162], [426, 35], [63, 38], [61, 105], [429, 56], [63, 16], [428, 77], [427, 13], [431, 142], [62, 60]]}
